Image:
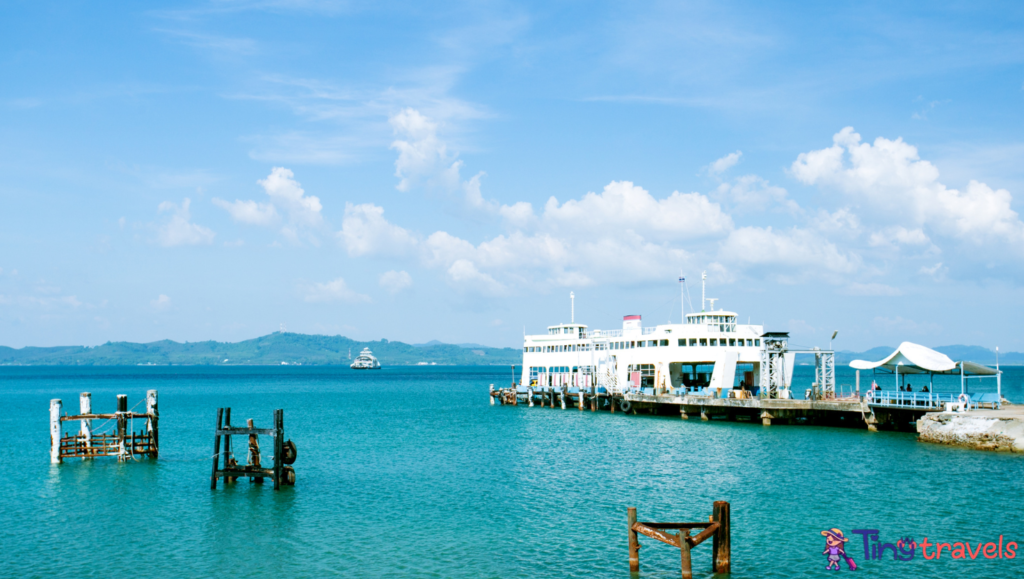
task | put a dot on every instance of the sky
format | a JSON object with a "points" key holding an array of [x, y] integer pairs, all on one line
{"points": [[220, 170]]}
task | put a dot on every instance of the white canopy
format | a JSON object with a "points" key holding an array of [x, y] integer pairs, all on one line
{"points": [[914, 358]]}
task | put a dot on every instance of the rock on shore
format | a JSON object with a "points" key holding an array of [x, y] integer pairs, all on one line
{"points": [[995, 430]]}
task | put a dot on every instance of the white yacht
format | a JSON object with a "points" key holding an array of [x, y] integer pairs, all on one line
{"points": [[709, 352], [365, 361]]}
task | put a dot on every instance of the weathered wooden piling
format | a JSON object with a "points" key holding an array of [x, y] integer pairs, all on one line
{"points": [[284, 452], [634, 542], [55, 407], [84, 409], [153, 422], [86, 443], [721, 546], [717, 529]]}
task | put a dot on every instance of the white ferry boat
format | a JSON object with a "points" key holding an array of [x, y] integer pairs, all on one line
{"points": [[711, 353], [365, 361]]}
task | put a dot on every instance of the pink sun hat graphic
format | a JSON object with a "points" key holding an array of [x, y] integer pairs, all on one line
{"points": [[835, 534]]}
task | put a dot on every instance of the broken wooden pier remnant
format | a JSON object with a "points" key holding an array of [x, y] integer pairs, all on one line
{"points": [[122, 442], [284, 455], [717, 528]]}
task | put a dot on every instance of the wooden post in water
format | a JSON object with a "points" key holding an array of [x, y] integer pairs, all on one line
{"points": [[254, 452], [561, 394], [85, 407], [551, 392], [216, 449], [684, 553], [491, 394], [152, 424], [634, 543], [721, 548], [55, 430], [278, 446], [226, 453], [682, 413], [122, 425], [529, 395]]}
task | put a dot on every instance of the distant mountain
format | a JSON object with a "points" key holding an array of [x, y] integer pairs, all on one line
{"points": [[273, 349], [976, 354], [437, 343]]}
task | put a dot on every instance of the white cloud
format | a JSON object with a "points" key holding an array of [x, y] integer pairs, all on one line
{"points": [[365, 231], [723, 164], [937, 272], [286, 193], [869, 289], [752, 194], [249, 211], [623, 206], [894, 184], [333, 291], [898, 235], [161, 303], [286, 197], [904, 326], [179, 230], [464, 274], [422, 156], [799, 251], [395, 281]]}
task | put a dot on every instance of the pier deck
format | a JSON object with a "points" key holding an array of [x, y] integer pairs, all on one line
{"points": [[857, 412]]}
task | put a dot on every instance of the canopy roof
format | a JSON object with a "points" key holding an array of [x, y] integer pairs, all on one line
{"points": [[913, 358]]}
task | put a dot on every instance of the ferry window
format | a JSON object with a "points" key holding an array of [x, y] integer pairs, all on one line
{"points": [[640, 344], [721, 342], [704, 341], [664, 342], [732, 341], [693, 341], [682, 341], [714, 342], [750, 342], [757, 343]]}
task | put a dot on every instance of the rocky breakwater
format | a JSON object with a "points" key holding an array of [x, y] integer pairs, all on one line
{"points": [[1001, 430]]}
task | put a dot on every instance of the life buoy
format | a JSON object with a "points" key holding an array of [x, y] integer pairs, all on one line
{"points": [[963, 399], [624, 405]]}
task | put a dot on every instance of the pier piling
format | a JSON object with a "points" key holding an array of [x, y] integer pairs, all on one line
{"points": [[716, 528], [55, 407], [85, 408]]}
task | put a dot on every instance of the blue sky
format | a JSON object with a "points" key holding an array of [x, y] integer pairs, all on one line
{"points": [[410, 171]]}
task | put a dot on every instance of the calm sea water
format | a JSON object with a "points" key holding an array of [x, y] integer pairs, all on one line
{"points": [[410, 472]]}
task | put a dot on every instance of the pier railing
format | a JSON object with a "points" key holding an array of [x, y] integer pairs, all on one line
{"points": [[901, 399]]}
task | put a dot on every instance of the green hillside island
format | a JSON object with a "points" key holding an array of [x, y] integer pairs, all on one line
{"points": [[273, 349]]}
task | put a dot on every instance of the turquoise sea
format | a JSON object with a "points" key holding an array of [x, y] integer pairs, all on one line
{"points": [[409, 472]]}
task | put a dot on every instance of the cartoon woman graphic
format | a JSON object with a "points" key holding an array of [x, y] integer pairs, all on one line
{"points": [[834, 540]]}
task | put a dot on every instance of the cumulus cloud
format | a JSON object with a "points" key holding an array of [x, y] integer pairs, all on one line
{"points": [[889, 178], [250, 212], [870, 289], [365, 231], [725, 163], [395, 281], [161, 303], [333, 291], [798, 251], [287, 198], [896, 236], [422, 156], [751, 194], [285, 192], [624, 206], [179, 229]]}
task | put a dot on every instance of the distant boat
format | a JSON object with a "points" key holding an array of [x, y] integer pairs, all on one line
{"points": [[365, 361]]}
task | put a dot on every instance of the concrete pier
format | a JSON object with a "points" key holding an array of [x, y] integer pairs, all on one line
{"points": [[1001, 430]]}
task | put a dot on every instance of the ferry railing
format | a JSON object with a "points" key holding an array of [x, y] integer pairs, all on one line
{"points": [[901, 399], [649, 330], [604, 334]]}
